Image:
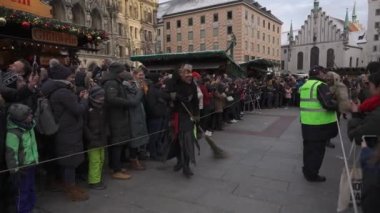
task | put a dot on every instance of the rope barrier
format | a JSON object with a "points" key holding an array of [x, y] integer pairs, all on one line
{"points": [[106, 146]]}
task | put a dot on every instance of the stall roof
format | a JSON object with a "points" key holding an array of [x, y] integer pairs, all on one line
{"points": [[200, 60]]}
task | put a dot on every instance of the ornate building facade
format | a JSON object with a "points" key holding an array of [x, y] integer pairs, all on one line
{"points": [[326, 41], [129, 23]]}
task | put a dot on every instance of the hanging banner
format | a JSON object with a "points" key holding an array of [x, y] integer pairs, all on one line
{"points": [[35, 7], [54, 37]]}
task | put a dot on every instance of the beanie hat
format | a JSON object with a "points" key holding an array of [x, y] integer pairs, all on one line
{"points": [[116, 68], [19, 112], [59, 72], [95, 91], [316, 70]]}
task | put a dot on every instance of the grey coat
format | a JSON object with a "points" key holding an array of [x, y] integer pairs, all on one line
{"points": [[137, 117]]}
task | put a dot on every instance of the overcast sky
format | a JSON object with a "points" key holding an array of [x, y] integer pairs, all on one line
{"points": [[297, 10]]}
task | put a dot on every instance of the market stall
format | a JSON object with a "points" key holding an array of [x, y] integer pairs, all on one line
{"points": [[258, 68], [26, 35], [217, 62]]}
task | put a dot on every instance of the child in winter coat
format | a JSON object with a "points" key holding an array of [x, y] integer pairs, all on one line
{"points": [[21, 151], [96, 133]]}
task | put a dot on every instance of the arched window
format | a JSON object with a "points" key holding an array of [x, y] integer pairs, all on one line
{"points": [[96, 19], [357, 62], [330, 58], [300, 61], [350, 61], [59, 11], [314, 56], [78, 15]]}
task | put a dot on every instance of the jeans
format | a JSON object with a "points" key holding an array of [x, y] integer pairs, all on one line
{"points": [[24, 190]]}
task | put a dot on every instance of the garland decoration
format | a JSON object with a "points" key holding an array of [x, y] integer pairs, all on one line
{"points": [[28, 21]]}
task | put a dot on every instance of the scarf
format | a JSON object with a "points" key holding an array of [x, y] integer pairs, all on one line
{"points": [[370, 104], [23, 125]]}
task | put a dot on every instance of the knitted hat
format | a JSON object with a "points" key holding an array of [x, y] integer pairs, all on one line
{"points": [[95, 91], [59, 72], [316, 70], [19, 112], [116, 68]]}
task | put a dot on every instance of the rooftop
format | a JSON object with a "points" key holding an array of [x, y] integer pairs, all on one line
{"points": [[179, 6]]}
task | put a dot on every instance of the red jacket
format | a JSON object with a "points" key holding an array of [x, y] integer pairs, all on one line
{"points": [[207, 96], [370, 104]]}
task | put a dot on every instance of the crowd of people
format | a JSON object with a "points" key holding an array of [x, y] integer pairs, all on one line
{"points": [[72, 119], [127, 115]]}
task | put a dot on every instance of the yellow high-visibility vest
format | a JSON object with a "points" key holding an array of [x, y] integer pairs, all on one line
{"points": [[312, 112]]}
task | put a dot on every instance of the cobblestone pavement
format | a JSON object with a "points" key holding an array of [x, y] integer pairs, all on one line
{"points": [[262, 175]]}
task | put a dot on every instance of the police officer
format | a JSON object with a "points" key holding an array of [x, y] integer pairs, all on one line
{"points": [[319, 122]]}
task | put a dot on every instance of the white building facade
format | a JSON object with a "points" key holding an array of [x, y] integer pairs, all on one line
{"points": [[326, 41], [373, 45]]}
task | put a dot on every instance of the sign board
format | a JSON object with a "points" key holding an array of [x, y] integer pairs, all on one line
{"points": [[54, 37], [36, 7]]}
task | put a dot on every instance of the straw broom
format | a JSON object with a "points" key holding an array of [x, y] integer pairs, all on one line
{"points": [[217, 151]]}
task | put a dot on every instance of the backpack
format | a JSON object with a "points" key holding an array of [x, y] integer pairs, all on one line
{"points": [[45, 120]]}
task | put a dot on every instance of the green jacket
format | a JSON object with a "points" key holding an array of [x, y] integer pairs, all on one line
{"points": [[20, 153]]}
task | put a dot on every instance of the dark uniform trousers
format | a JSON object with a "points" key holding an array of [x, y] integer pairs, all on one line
{"points": [[313, 154]]}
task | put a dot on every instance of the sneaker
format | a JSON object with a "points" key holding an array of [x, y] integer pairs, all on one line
{"points": [[97, 186], [208, 133], [234, 121], [121, 176]]}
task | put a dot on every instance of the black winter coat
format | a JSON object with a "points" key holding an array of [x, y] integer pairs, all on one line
{"points": [[68, 112], [156, 102], [96, 128], [116, 105]]}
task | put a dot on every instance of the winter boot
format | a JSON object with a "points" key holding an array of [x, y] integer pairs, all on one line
{"points": [[136, 165]]}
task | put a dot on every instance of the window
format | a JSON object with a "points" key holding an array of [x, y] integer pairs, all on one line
{"points": [[252, 47], [179, 49], [285, 51], [300, 61], [246, 58], [268, 25], [274, 28], [374, 48], [216, 17], [258, 35], [159, 32], [190, 22], [168, 39], [258, 48], [178, 23], [263, 36], [229, 30], [377, 25], [253, 18], [330, 58], [314, 56], [203, 47], [203, 19], [278, 29], [357, 62], [168, 50], [215, 46], [191, 48], [378, 12], [264, 49], [203, 33], [264, 23], [258, 20], [179, 37], [376, 37], [215, 32], [268, 51], [121, 28], [273, 40], [229, 15], [246, 45], [350, 61], [246, 15], [167, 25], [190, 35]]}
